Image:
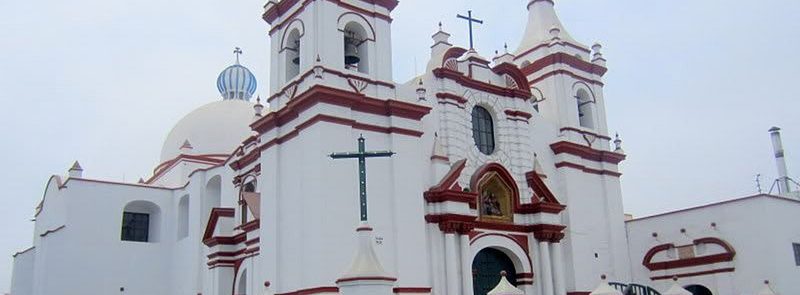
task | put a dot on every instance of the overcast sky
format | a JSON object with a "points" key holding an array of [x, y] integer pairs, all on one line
{"points": [[692, 86]]}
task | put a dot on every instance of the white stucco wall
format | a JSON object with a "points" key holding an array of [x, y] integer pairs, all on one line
{"points": [[22, 273], [755, 227]]}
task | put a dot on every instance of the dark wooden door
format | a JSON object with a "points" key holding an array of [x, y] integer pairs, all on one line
{"points": [[486, 270], [698, 290]]}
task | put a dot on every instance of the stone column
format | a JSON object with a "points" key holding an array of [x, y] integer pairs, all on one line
{"points": [[547, 276], [466, 260], [451, 263], [558, 269]]}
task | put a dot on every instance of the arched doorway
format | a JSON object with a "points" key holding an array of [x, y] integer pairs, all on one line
{"points": [[698, 290], [241, 288], [486, 270]]}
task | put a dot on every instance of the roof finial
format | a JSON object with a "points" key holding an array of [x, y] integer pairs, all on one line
{"points": [[618, 145], [440, 27], [237, 51], [76, 171], [187, 147], [258, 107]]}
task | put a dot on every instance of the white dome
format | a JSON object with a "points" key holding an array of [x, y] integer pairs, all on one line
{"points": [[216, 128]]}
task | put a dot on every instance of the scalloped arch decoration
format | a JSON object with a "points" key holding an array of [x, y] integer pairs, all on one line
{"points": [[514, 73], [452, 54], [294, 25], [578, 86], [352, 17]]}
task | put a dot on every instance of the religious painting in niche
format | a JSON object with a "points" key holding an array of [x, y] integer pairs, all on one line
{"points": [[495, 199]]}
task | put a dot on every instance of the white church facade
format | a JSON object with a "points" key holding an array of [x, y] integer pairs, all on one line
{"points": [[490, 165]]}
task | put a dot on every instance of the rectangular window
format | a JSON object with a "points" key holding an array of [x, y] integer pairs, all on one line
{"points": [[135, 227], [796, 254]]}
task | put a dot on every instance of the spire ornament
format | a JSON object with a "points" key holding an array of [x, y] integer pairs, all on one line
{"points": [[618, 145], [237, 51]]}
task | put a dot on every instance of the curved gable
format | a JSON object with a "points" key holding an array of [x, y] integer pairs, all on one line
{"points": [[717, 250]]}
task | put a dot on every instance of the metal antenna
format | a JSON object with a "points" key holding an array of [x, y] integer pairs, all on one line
{"points": [[758, 183]]}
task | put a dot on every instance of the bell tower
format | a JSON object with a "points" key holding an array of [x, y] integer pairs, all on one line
{"points": [[312, 39], [566, 79], [331, 84], [565, 74]]}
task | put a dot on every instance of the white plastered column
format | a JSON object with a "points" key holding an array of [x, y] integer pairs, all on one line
{"points": [[466, 265], [533, 250], [558, 269], [451, 263], [547, 275]]}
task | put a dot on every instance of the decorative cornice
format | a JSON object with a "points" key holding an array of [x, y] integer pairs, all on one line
{"points": [[323, 94], [587, 153], [694, 274], [461, 79], [292, 86], [255, 154], [441, 196], [567, 59], [460, 227], [587, 169], [311, 291], [548, 232], [448, 96], [452, 223], [279, 9]]}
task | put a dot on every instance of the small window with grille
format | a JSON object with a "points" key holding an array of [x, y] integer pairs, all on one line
{"points": [[135, 227]]}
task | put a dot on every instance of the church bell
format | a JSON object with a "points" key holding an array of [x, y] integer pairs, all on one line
{"points": [[296, 59], [351, 52]]}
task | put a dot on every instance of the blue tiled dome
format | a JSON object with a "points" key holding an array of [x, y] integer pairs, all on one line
{"points": [[237, 82]]}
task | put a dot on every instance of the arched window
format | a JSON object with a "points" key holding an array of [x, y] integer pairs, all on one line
{"points": [[141, 221], [483, 130], [183, 217], [356, 48], [213, 195], [292, 53], [585, 109], [241, 288], [249, 187]]}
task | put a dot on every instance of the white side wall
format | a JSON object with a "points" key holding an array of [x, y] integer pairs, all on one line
{"points": [[756, 228], [22, 273]]}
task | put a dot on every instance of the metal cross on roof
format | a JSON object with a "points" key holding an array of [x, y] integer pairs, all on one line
{"points": [[471, 20], [362, 156], [237, 51]]}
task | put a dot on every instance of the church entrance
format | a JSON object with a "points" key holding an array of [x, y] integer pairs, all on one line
{"points": [[698, 290], [486, 270]]}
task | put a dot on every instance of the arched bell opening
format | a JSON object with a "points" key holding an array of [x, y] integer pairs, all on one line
{"points": [[292, 54], [586, 109], [356, 48]]}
